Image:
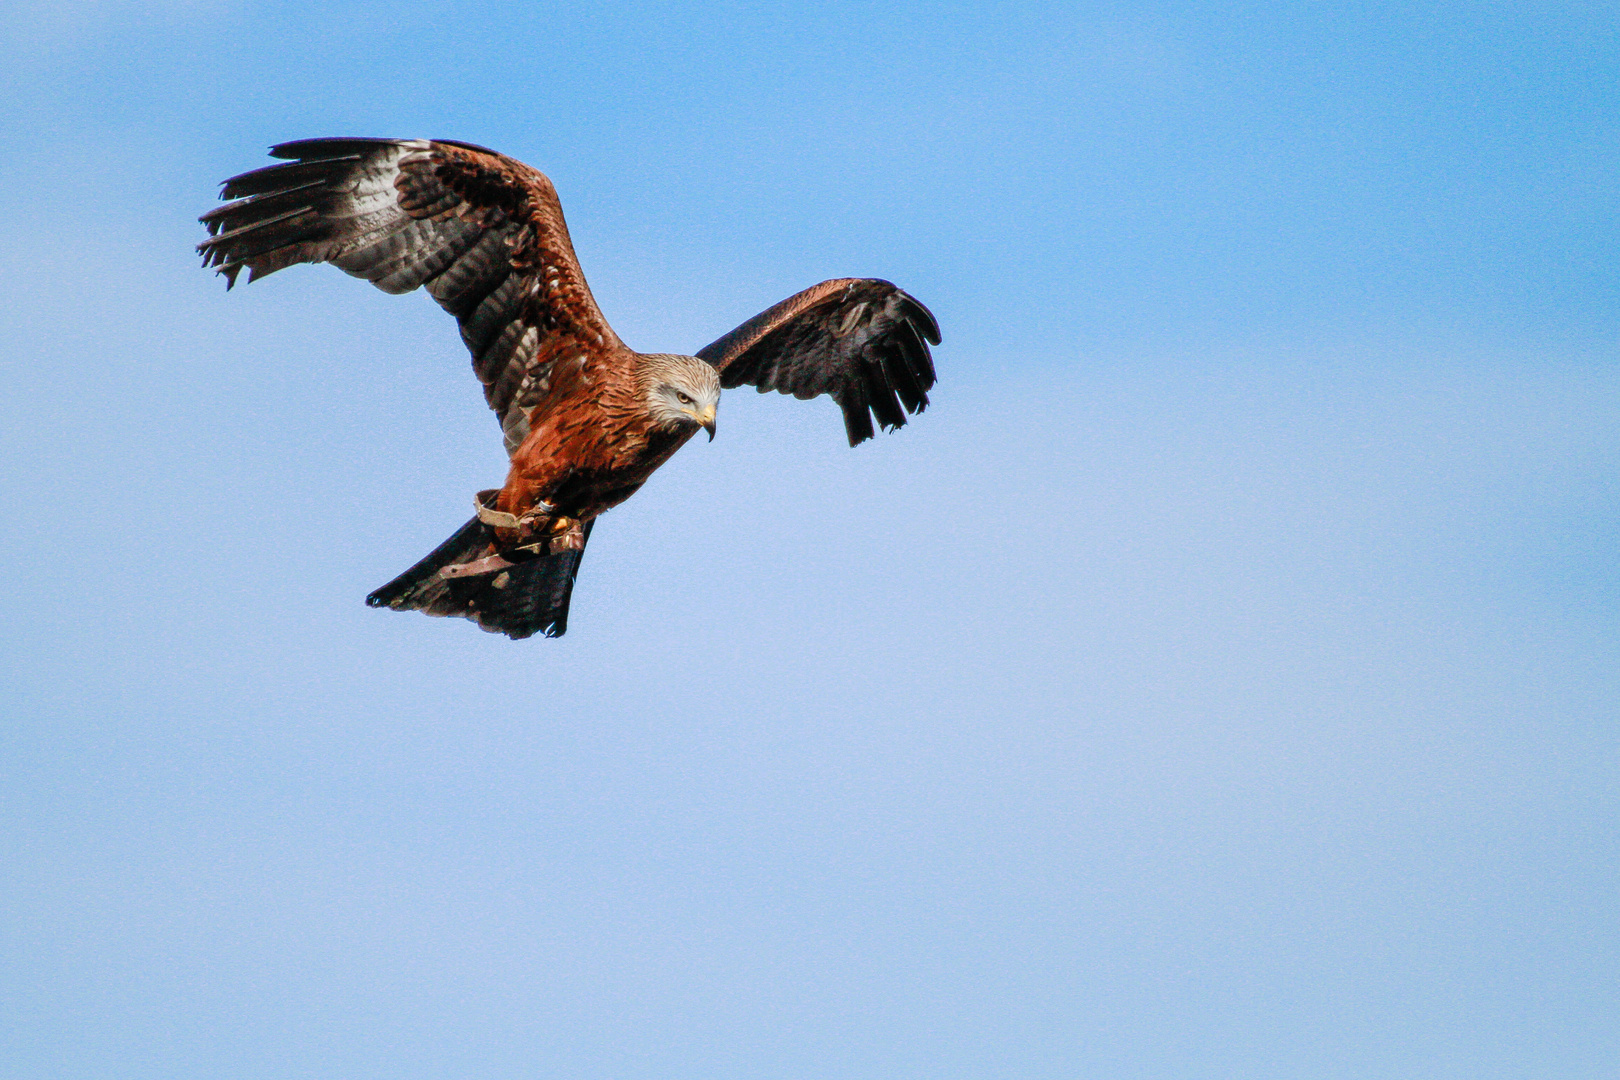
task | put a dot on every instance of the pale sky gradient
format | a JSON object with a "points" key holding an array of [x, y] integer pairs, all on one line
{"points": [[1220, 679]]}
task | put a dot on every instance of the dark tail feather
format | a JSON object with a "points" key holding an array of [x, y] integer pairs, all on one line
{"points": [[529, 598]]}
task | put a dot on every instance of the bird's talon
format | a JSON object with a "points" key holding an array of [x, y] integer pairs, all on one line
{"points": [[540, 511]]}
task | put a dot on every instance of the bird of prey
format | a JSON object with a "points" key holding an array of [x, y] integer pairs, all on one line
{"points": [[586, 419]]}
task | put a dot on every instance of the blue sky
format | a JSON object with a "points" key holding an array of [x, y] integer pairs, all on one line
{"points": [[1219, 680]]}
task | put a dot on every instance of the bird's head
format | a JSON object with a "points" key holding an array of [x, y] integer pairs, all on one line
{"points": [[680, 391]]}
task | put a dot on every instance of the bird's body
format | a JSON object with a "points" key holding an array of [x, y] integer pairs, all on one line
{"points": [[586, 461], [586, 419]]}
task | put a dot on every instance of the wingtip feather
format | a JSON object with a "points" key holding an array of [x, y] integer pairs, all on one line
{"points": [[313, 149]]}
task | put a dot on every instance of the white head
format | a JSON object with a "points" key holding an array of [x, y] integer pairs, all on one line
{"points": [[680, 390]]}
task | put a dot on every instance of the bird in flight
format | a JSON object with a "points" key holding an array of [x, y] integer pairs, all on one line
{"points": [[586, 418]]}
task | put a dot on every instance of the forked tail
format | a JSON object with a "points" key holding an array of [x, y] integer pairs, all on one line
{"points": [[529, 597]]}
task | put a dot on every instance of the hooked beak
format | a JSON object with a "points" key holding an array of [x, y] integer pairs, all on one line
{"points": [[706, 420]]}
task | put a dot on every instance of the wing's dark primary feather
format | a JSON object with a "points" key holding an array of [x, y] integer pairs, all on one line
{"points": [[484, 233], [862, 340]]}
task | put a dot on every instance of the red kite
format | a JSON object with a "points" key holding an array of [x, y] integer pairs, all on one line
{"points": [[586, 418]]}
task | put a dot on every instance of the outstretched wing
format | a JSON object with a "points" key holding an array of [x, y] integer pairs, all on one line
{"points": [[862, 340], [484, 233]]}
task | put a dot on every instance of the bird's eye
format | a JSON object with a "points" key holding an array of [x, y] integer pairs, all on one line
{"points": [[684, 399]]}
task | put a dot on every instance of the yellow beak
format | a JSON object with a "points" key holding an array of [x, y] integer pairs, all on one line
{"points": [[706, 420]]}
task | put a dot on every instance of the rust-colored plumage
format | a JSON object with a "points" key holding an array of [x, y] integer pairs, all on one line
{"points": [[586, 419]]}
